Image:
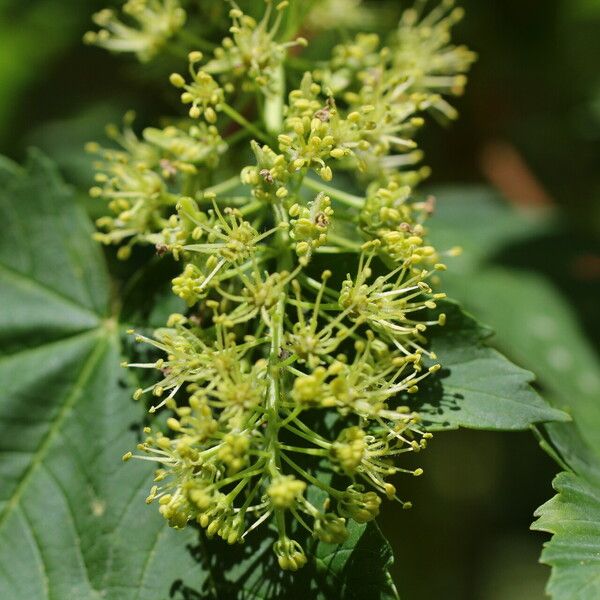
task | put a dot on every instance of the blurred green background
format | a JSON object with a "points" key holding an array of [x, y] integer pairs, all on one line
{"points": [[530, 127]]}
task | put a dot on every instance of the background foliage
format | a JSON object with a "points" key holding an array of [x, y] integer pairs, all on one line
{"points": [[530, 126]]}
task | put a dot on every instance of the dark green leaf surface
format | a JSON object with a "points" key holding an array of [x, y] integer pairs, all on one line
{"points": [[477, 386], [573, 517], [531, 319], [73, 523], [540, 330]]}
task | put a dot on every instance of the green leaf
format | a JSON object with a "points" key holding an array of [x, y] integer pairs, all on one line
{"points": [[477, 219], [477, 386], [47, 279], [537, 326], [531, 319], [72, 518], [344, 567], [573, 517], [73, 522]]}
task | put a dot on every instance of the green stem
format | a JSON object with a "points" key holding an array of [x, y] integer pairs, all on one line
{"points": [[334, 250], [273, 108], [274, 387], [291, 416], [309, 437], [273, 404], [343, 197], [241, 120], [311, 451], [224, 186], [327, 488], [252, 207], [339, 241]]}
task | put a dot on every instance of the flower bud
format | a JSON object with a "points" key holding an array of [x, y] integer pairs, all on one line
{"points": [[358, 505], [285, 490], [331, 529], [290, 554]]}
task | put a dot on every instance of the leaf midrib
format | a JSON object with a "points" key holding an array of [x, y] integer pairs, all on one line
{"points": [[559, 414], [52, 344], [70, 401]]}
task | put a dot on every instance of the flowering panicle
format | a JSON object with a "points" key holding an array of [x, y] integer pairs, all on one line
{"points": [[304, 341], [366, 135], [153, 22], [389, 86], [419, 64]]}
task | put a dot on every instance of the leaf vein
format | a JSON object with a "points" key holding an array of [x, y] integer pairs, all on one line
{"points": [[69, 402]]}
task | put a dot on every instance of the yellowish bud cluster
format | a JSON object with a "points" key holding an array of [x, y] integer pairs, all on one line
{"points": [[290, 554], [309, 225], [148, 26], [359, 505], [349, 449], [285, 490]]}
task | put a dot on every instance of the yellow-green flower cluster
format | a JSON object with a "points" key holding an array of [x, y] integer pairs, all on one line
{"points": [[308, 306], [140, 178], [269, 177], [394, 83], [421, 49], [146, 30], [253, 54], [250, 60], [391, 217]]}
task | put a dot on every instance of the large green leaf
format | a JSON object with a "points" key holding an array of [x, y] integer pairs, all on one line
{"points": [[573, 517], [477, 386], [538, 327], [531, 319], [73, 522]]}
